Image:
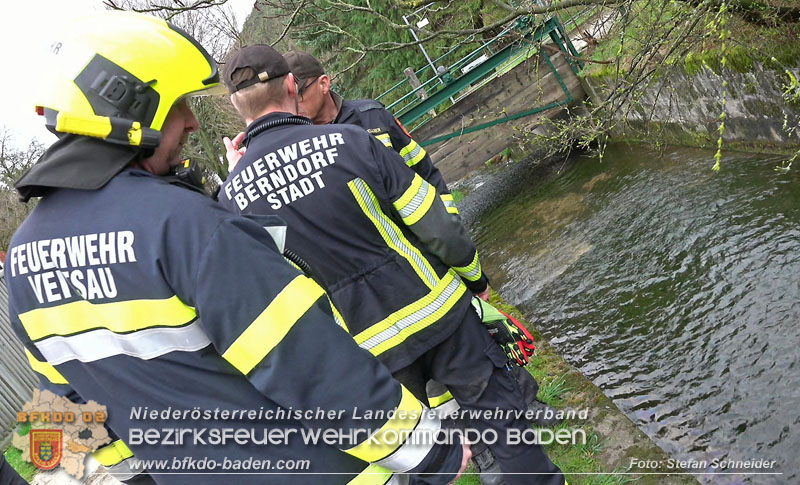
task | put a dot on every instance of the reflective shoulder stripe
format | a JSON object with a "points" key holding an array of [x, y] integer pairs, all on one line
{"points": [[390, 233], [380, 445], [415, 201], [269, 328], [434, 401], [443, 404], [385, 139], [412, 153], [113, 453], [472, 271], [125, 470], [45, 369], [394, 329], [120, 317], [447, 408], [373, 475], [337, 316], [400, 443], [449, 203]]}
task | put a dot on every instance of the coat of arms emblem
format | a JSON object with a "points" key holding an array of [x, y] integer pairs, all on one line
{"points": [[46, 448]]}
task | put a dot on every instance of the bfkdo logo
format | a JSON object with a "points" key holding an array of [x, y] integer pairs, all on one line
{"points": [[46, 447]]}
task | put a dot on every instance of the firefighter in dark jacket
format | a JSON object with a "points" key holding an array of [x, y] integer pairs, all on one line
{"points": [[400, 270], [317, 101], [131, 289]]}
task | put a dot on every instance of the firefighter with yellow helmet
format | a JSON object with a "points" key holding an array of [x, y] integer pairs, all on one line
{"points": [[131, 289]]}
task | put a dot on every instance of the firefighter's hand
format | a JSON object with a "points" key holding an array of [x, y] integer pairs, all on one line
{"points": [[506, 335], [466, 454], [232, 151], [483, 295]]}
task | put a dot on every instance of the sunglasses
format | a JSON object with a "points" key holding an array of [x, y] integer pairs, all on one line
{"points": [[302, 90]]}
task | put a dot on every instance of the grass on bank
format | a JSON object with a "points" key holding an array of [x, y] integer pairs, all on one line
{"points": [[14, 457]]}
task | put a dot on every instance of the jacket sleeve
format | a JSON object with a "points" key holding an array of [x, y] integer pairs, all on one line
{"points": [[421, 209], [274, 325], [415, 156]]}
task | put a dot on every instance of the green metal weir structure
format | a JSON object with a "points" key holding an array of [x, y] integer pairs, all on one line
{"points": [[451, 82]]}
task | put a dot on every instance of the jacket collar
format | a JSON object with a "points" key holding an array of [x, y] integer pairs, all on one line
{"points": [[75, 162]]}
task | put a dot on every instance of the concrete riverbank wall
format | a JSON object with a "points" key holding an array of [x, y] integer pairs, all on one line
{"points": [[683, 108]]}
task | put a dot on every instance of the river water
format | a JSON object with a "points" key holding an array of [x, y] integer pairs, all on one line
{"points": [[674, 288]]}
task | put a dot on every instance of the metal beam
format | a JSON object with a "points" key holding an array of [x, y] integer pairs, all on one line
{"points": [[419, 110]]}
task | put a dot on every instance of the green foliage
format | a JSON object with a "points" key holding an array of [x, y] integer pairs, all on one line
{"points": [[217, 119], [14, 457], [791, 90], [379, 70], [738, 58]]}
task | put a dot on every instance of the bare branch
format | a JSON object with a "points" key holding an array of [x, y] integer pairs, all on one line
{"points": [[290, 23], [168, 11]]}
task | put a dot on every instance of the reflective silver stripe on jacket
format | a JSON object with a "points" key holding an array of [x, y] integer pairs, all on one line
{"points": [[144, 344], [418, 316], [417, 446], [416, 202]]}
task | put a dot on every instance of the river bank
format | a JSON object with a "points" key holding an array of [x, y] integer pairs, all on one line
{"points": [[615, 449]]}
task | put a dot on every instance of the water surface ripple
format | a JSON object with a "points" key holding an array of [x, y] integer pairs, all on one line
{"points": [[673, 288]]}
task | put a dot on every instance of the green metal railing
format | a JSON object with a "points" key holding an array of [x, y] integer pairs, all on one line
{"points": [[411, 110], [410, 98]]}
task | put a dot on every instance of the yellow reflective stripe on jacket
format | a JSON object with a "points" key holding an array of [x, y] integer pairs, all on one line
{"points": [[472, 271], [415, 201], [119, 317], [372, 475], [45, 369], [385, 139], [409, 413], [412, 153], [392, 234], [449, 203], [267, 331], [434, 401], [394, 329], [112, 454], [445, 407]]}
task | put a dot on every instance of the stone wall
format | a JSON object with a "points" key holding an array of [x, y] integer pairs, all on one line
{"points": [[685, 109]]}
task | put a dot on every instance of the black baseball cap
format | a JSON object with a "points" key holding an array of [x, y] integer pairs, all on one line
{"points": [[254, 64], [303, 65]]}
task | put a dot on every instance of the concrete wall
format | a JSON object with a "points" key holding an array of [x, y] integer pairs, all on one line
{"points": [[526, 86], [17, 380], [685, 109]]}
